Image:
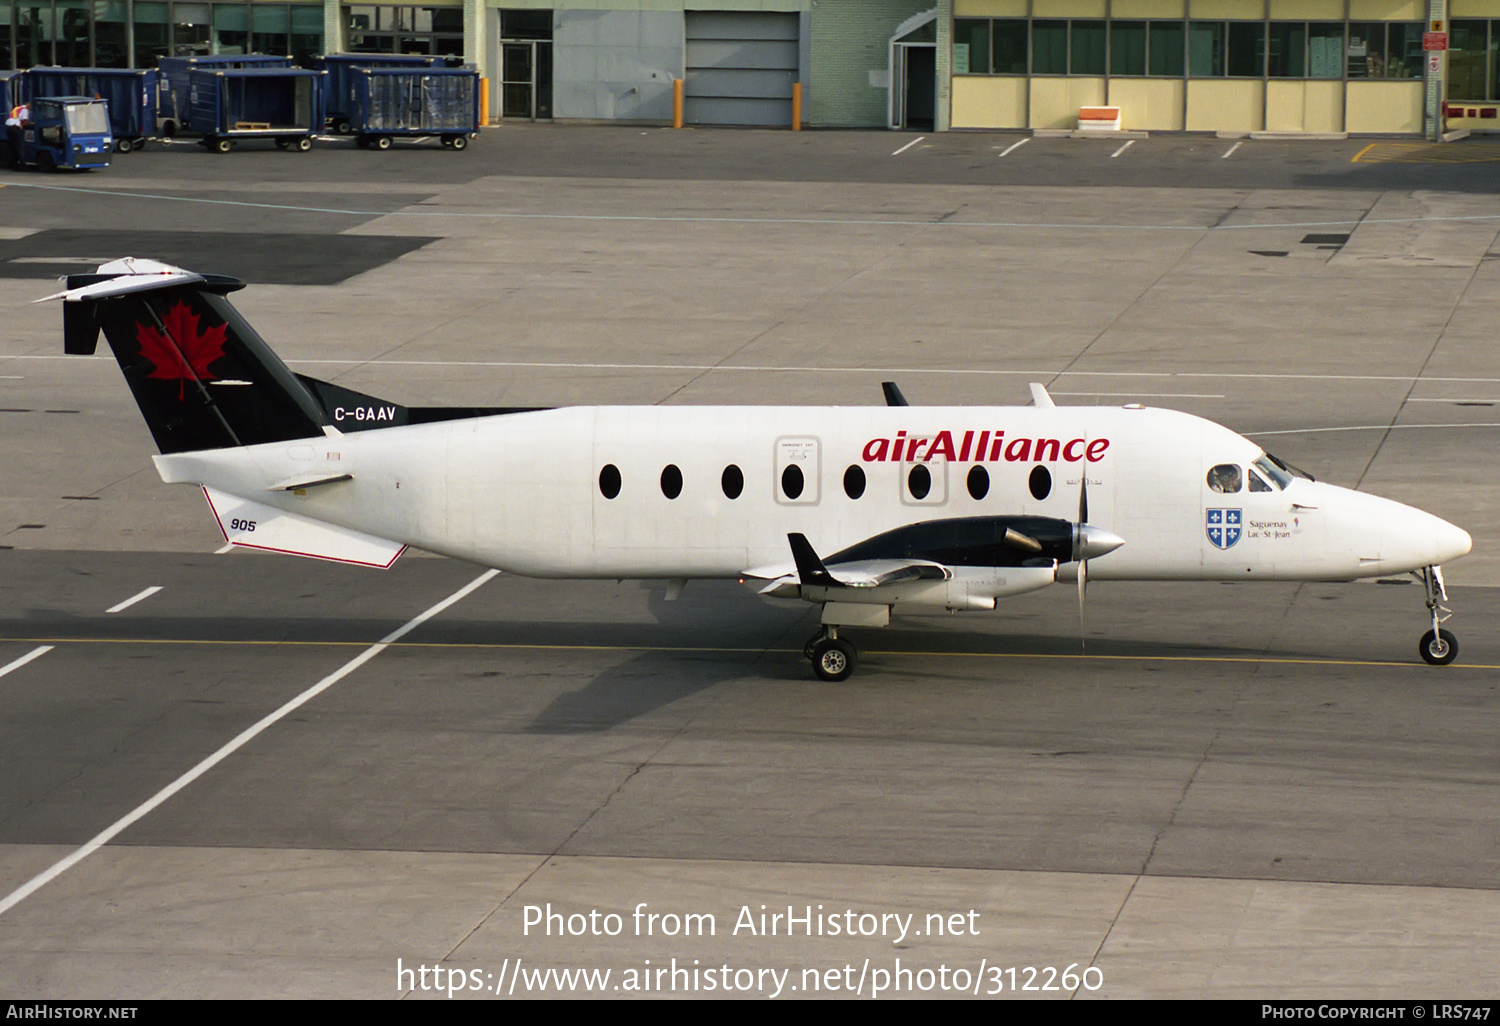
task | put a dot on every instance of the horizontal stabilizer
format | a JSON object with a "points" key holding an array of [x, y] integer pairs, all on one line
{"points": [[263, 527]]}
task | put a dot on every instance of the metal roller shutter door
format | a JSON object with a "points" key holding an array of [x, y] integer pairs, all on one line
{"points": [[740, 68]]}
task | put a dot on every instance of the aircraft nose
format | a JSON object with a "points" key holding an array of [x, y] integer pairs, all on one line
{"points": [[1451, 541], [1095, 541]]}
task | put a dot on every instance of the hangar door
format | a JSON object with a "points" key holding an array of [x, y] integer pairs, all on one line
{"points": [[740, 68]]}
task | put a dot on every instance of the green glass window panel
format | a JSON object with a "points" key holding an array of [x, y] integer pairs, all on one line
{"points": [[110, 21], [72, 38], [229, 18], [971, 46], [1287, 50], [7, 58], [1009, 55], [1087, 48], [1403, 51], [307, 18], [1206, 49], [1245, 54], [1165, 50], [268, 18], [1049, 47], [1467, 56], [1127, 48]]}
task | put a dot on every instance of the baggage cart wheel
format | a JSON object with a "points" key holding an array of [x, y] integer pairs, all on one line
{"points": [[302, 144], [341, 126], [282, 144], [123, 146], [217, 145], [169, 128], [459, 142], [381, 142]]}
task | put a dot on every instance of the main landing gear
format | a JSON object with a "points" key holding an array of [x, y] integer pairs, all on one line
{"points": [[833, 658], [1439, 647]]}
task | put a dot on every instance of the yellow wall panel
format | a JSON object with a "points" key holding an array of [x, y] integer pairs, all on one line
{"points": [[1147, 9], [1387, 10], [1307, 10], [1252, 10], [989, 8], [1055, 101], [1323, 107], [1474, 9], [989, 102], [1224, 105], [1385, 107], [1148, 104], [1284, 105], [1067, 8]]}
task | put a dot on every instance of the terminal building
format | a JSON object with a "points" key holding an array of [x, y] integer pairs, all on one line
{"points": [[1296, 66]]}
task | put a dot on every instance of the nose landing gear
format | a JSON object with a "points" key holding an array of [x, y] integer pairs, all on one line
{"points": [[833, 658], [1438, 646]]}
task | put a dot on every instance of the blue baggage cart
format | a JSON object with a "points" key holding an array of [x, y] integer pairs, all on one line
{"points": [[392, 103], [341, 68], [12, 90], [130, 93], [69, 132], [172, 83], [284, 104]]}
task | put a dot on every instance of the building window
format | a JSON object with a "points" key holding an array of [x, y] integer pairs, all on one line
{"points": [[1127, 48], [1379, 49], [971, 46], [1468, 60], [1166, 48], [1087, 48], [437, 31]]}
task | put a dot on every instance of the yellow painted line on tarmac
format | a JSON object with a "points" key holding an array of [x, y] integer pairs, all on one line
{"points": [[731, 650], [1355, 159]]}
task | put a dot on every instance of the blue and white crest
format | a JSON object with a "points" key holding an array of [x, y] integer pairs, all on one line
{"points": [[1223, 527]]}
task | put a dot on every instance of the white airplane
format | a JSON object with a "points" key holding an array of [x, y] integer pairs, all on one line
{"points": [[917, 509]]}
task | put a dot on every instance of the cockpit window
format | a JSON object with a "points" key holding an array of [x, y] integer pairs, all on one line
{"points": [[1272, 468], [1288, 468], [1224, 478], [1257, 483]]}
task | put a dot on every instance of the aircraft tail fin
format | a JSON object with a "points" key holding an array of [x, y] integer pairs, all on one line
{"points": [[200, 374]]}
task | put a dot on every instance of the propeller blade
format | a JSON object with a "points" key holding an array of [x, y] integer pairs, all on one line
{"points": [[1083, 584], [1083, 497]]}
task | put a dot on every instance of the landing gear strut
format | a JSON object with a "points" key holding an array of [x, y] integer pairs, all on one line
{"points": [[833, 658], [1439, 647]]}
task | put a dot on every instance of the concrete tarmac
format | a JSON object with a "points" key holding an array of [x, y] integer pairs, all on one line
{"points": [[1233, 791]]}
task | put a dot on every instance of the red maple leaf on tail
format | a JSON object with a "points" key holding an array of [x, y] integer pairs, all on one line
{"points": [[192, 352]]}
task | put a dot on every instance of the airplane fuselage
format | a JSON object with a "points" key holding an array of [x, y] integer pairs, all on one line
{"points": [[702, 492]]}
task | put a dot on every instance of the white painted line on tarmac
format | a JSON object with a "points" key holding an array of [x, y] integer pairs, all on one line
{"points": [[1365, 427], [39, 881], [908, 146], [16, 664], [1485, 400], [132, 600], [1014, 146], [1231, 149], [1122, 149], [1147, 395]]}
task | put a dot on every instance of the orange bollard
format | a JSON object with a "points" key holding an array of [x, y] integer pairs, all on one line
{"points": [[484, 101], [676, 103], [796, 106]]}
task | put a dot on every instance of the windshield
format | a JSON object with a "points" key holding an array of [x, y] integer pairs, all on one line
{"points": [[1272, 469], [87, 119], [1288, 468]]}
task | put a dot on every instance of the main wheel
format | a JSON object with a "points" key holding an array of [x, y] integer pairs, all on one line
{"points": [[833, 659], [302, 143], [381, 142], [1438, 647]]}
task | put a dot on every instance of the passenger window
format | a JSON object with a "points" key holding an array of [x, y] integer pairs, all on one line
{"points": [[671, 481], [733, 482], [854, 482], [1256, 483], [791, 481], [919, 481], [609, 481], [979, 482], [1040, 482], [1224, 478]]}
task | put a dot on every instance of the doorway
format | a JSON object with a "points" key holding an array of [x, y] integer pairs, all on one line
{"points": [[526, 64], [918, 86]]}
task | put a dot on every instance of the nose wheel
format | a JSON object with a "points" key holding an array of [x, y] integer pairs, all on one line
{"points": [[833, 658], [1438, 647]]}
